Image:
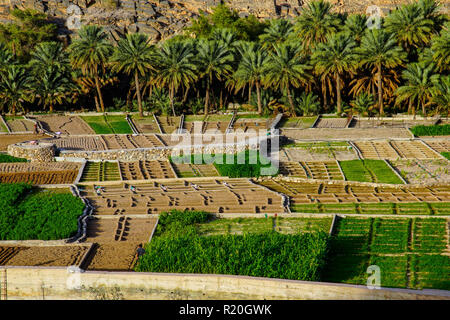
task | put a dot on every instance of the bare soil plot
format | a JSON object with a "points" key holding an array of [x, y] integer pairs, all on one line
{"points": [[414, 150], [146, 125], [188, 170], [423, 171], [313, 192], [34, 173], [7, 139], [168, 124], [92, 143], [112, 256], [251, 124], [215, 126], [375, 123], [302, 154], [70, 125], [345, 134], [42, 256], [327, 170], [120, 142], [331, 123], [298, 122], [143, 170], [120, 229], [439, 145], [20, 125], [238, 196], [377, 150]]}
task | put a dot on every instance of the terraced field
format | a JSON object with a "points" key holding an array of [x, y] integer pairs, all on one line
{"points": [[144, 170], [411, 253], [314, 192], [70, 125], [188, 170], [394, 150], [19, 124], [168, 124], [100, 171], [34, 173], [44, 256], [331, 123], [236, 196], [108, 124], [326, 170]]}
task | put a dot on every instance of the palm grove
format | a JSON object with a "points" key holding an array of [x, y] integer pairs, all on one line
{"points": [[321, 62]]}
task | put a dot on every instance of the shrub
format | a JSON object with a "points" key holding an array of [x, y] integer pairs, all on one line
{"points": [[434, 130]]}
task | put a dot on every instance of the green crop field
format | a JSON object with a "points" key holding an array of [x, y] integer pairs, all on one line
{"points": [[100, 171], [179, 247], [7, 158], [433, 130], [400, 247], [31, 214], [369, 171], [108, 124], [414, 208]]}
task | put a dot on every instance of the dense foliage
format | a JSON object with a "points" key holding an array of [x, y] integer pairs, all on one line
{"points": [[321, 62], [436, 130], [180, 249], [7, 158], [39, 215]]}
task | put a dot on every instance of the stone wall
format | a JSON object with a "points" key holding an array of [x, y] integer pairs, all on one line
{"points": [[58, 283], [42, 152]]}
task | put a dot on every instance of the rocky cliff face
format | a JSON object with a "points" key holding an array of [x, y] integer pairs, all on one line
{"points": [[163, 18]]}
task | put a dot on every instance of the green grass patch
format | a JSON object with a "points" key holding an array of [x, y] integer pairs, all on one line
{"points": [[431, 271], [110, 124], [446, 154], [177, 247], [393, 270], [7, 158], [433, 130], [369, 171], [37, 215], [245, 164]]}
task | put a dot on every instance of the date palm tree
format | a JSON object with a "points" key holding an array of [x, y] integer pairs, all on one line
{"points": [[49, 54], [134, 56], [215, 61], [440, 93], [6, 57], [418, 85], [316, 22], [250, 70], [278, 32], [363, 103], [285, 69], [52, 87], [91, 52], [410, 26], [379, 50], [355, 26], [307, 104], [440, 46], [176, 67], [14, 88], [335, 57]]}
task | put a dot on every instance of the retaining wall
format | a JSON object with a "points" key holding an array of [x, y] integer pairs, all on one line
{"points": [[56, 283]]}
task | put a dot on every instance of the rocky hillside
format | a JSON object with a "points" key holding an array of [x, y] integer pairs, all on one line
{"points": [[162, 18]]}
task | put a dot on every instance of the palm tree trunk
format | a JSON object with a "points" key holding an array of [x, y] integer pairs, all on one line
{"points": [[138, 93], [258, 93], [186, 93], [423, 109], [250, 87], [171, 93], [338, 93], [380, 91], [129, 100], [208, 84], [51, 108], [99, 92], [324, 95], [291, 102], [97, 106]]}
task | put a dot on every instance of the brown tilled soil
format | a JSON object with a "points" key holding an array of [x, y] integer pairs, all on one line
{"points": [[345, 134], [46, 177], [65, 124], [301, 154], [116, 240], [55, 256], [143, 170], [7, 139], [20, 125]]}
